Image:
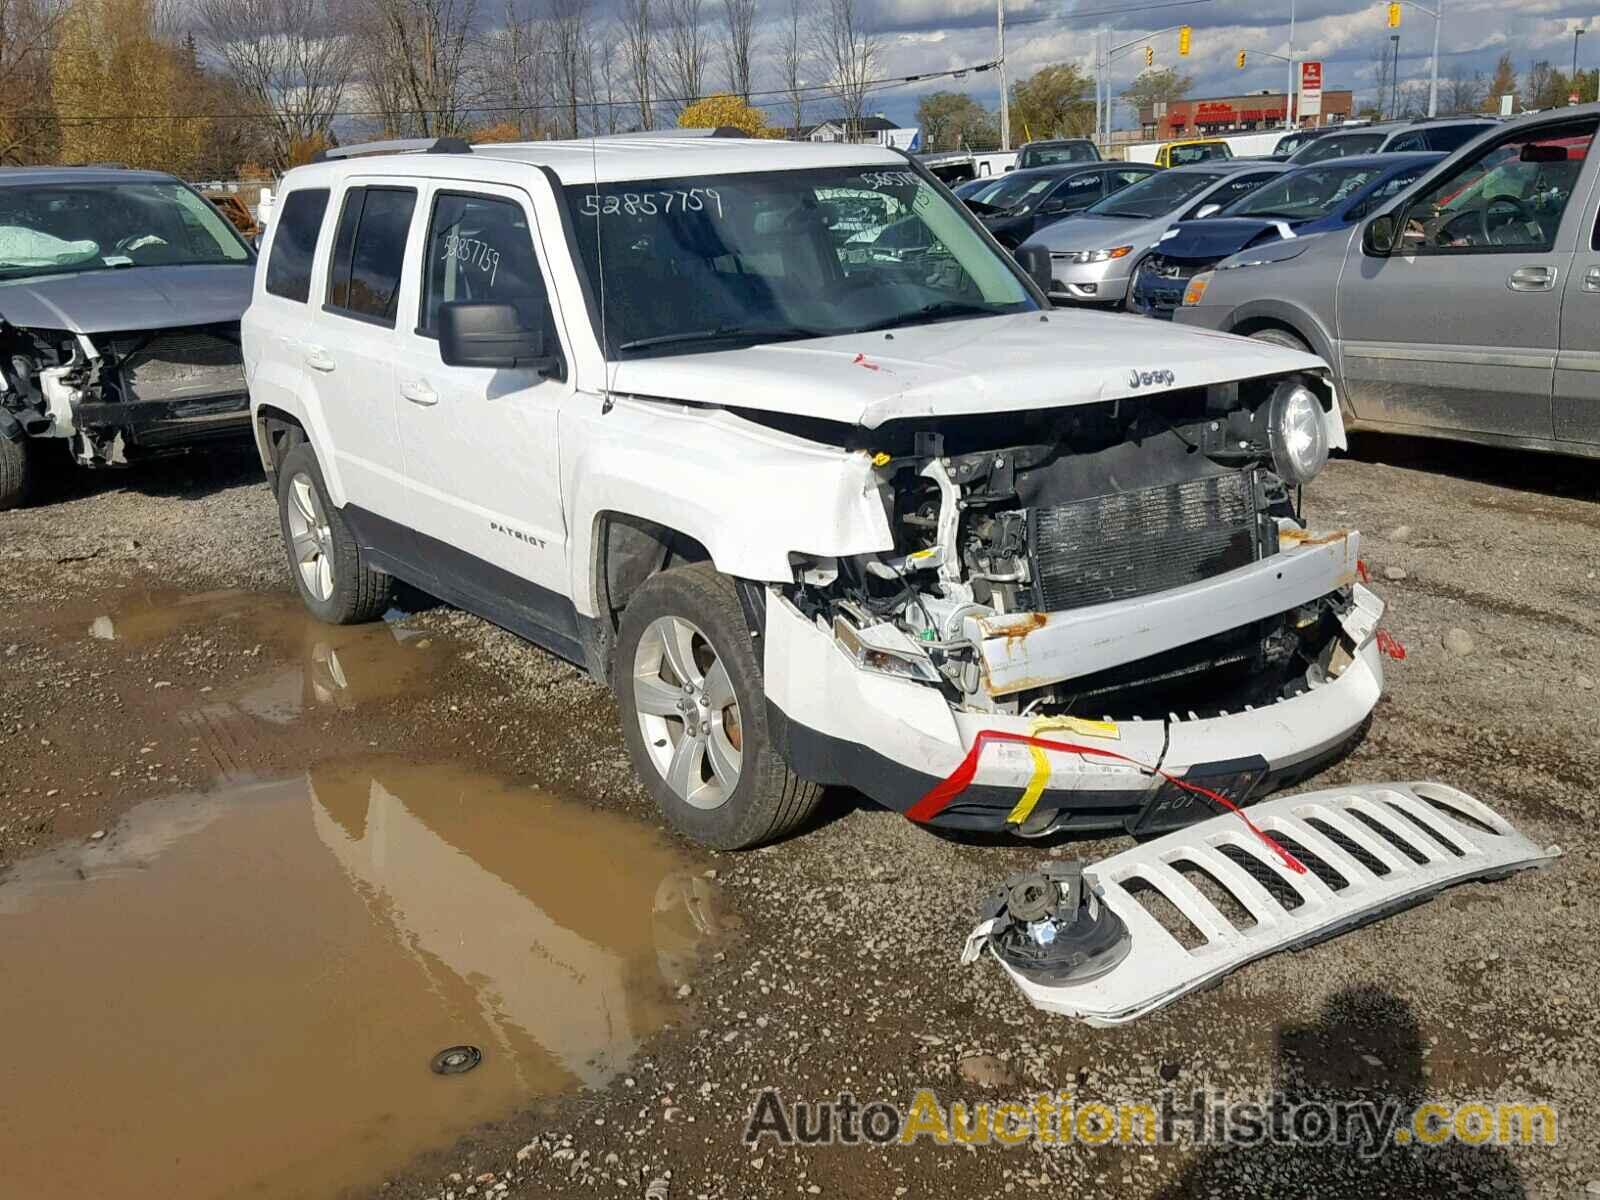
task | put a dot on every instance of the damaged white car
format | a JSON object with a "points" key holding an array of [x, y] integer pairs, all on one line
{"points": [[120, 297], [817, 517]]}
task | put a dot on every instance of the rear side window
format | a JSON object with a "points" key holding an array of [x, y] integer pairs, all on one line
{"points": [[1451, 137], [369, 251], [480, 249], [294, 244]]}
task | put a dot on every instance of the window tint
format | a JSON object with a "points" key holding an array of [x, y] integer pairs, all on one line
{"points": [[480, 249], [369, 251], [1450, 137], [1509, 196], [1407, 141], [294, 243], [1076, 192], [1337, 146], [1386, 190]]}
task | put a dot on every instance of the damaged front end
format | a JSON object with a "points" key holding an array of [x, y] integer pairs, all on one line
{"points": [[1131, 576], [115, 397]]}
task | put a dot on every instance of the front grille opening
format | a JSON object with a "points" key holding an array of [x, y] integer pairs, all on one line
{"points": [[1213, 889], [1457, 814], [1277, 886], [1389, 835], [1349, 845], [1126, 544], [1448, 846], [1314, 862], [1165, 913]]}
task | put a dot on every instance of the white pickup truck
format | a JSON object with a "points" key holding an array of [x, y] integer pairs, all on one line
{"points": [[820, 508]]}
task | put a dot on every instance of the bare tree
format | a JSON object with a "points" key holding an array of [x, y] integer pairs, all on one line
{"points": [[570, 50], [516, 81], [638, 51], [738, 29], [1463, 93], [792, 59], [289, 57], [600, 60], [683, 59], [847, 54], [415, 57]]}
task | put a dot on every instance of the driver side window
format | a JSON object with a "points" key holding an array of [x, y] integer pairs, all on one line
{"points": [[1509, 197]]}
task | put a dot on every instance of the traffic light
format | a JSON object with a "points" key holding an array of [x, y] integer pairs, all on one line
{"points": [[1149, 56], [1241, 60], [1184, 33], [1394, 16]]}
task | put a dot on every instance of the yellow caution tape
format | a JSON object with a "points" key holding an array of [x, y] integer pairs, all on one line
{"points": [[1083, 725], [1041, 762]]}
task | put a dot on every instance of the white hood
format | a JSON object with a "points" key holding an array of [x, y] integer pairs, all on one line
{"points": [[952, 368]]}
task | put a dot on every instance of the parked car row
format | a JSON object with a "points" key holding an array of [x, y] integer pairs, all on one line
{"points": [[1455, 294]]}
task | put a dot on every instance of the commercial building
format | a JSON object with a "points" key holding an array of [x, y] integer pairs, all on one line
{"points": [[1234, 114]]}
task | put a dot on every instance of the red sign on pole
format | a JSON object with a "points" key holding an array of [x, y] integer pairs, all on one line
{"points": [[1310, 89]]}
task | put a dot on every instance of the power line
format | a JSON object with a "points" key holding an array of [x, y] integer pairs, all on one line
{"points": [[868, 87]]}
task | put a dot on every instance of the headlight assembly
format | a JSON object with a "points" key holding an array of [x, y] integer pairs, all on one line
{"points": [[1196, 290], [1095, 256], [1297, 433]]}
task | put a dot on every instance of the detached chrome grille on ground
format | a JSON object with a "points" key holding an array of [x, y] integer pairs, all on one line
{"points": [[1206, 900], [1132, 543]]}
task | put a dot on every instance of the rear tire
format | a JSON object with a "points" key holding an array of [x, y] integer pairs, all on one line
{"points": [[700, 744], [17, 468], [331, 574], [1282, 337]]}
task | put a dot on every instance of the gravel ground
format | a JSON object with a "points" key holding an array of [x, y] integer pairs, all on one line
{"points": [[842, 976]]}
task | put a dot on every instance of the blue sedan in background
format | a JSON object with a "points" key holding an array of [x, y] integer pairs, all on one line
{"points": [[1299, 203]]}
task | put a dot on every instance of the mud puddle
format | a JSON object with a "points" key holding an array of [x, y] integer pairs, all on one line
{"points": [[240, 992]]}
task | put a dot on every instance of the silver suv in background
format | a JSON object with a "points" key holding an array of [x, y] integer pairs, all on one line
{"points": [[1467, 308], [1443, 136], [1094, 254]]}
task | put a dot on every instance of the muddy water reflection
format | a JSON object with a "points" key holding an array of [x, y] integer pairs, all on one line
{"points": [[239, 993]]}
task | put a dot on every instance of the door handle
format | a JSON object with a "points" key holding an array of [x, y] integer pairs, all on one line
{"points": [[1532, 279], [317, 357], [418, 391], [1591, 280]]}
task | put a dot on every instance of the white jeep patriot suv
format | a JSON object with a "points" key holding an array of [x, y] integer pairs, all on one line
{"points": [[776, 441]]}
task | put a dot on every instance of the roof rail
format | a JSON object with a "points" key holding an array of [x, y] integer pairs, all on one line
{"points": [[443, 145]]}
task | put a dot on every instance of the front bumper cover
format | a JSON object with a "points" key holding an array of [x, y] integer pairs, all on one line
{"points": [[895, 739]]}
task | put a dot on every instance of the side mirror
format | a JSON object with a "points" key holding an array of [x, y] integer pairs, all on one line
{"points": [[492, 335], [1207, 210], [1053, 206], [1012, 167], [1379, 236], [1035, 260]]}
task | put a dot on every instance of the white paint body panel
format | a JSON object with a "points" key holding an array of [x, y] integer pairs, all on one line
{"points": [[1159, 970]]}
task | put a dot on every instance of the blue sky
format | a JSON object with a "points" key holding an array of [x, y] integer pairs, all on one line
{"points": [[1348, 35]]}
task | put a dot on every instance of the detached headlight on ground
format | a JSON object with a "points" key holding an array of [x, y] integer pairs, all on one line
{"points": [[1196, 290], [1094, 256], [1298, 435]]}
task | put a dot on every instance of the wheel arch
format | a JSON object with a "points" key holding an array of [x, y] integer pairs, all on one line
{"points": [[1257, 315]]}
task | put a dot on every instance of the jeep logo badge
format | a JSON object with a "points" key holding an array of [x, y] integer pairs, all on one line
{"points": [[1146, 378]]}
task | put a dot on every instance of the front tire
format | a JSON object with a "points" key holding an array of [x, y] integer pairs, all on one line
{"points": [[1281, 337], [694, 714], [331, 574], [16, 473]]}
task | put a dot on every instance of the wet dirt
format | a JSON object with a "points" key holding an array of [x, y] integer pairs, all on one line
{"points": [[230, 990]]}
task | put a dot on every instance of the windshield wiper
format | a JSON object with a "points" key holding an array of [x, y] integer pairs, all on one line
{"points": [[937, 310], [724, 333]]}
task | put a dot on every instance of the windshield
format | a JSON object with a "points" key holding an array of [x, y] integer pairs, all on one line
{"points": [[61, 228], [1347, 146], [710, 262], [1156, 195], [1304, 195], [1013, 190], [1050, 156]]}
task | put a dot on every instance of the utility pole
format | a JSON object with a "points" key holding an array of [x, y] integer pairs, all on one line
{"points": [[1005, 90], [1288, 92], [1433, 74], [1576, 34], [1394, 79]]}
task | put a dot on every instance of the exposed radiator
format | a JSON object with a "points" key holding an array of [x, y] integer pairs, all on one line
{"points": [[182, 365], [1132, 543]]}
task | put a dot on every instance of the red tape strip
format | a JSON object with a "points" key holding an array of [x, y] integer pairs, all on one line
{"points": [[941, 794]]}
